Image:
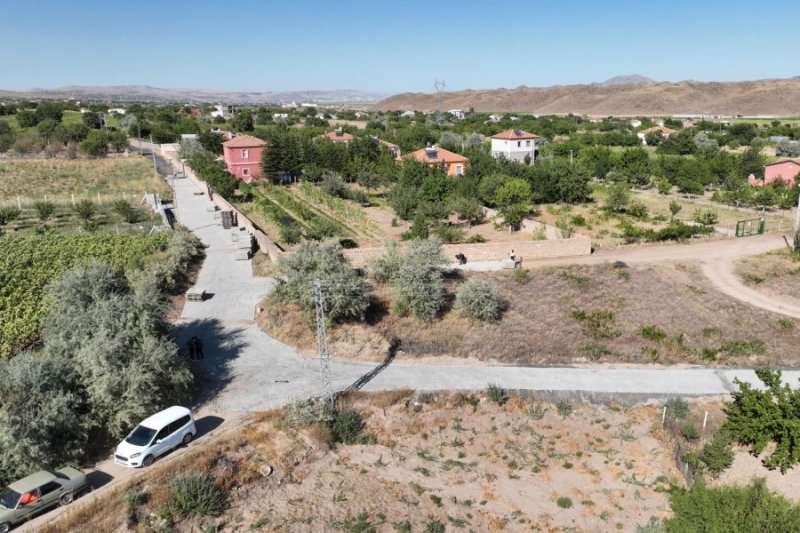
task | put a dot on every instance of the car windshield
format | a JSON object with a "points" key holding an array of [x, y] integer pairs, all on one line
{"points": [[9, 498], [141, 436]]}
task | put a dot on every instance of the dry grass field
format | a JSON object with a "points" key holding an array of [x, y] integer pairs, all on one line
{"points": [[665, 314], [59, 179], [459, 460], [775, 273]]}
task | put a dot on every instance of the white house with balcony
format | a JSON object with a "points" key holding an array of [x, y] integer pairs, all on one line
{"points": [[515, 145]]}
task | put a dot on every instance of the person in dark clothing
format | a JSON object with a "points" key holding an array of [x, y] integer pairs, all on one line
{"points": [[191, 348], [198, 348]]}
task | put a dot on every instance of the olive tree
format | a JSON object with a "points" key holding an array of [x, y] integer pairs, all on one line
{"points": [[346, 295], [480, 299], [418, 283]]}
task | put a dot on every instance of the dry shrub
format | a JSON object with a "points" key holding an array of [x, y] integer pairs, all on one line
{"points": [[268, 416], [287, 323], [384, 399], [319, 436], [105, 512], [516, 404]]}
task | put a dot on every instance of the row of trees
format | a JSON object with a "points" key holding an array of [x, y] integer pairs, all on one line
{"points": [[105, 364]]}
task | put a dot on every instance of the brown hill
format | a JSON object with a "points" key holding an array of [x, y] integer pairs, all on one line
{"points": [[748, 98]]}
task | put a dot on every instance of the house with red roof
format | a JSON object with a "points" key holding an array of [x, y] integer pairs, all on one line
{"points": [[665, 132], [434, 155], [397, 154], [242, 156], [515, 145], [338, 136], [787, 170]]}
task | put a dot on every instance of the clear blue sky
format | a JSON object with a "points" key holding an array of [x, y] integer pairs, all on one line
{"points": [[391, 47]]}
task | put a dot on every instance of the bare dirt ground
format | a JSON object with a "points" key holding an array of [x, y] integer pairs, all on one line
{"points": [[776, 274], [667, 313], [524, 465]]}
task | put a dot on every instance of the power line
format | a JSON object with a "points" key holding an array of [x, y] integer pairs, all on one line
{"points": [[440, 87]]}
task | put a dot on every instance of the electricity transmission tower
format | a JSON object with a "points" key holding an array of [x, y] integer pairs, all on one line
{"points": [[326, 386], [440, 86]]}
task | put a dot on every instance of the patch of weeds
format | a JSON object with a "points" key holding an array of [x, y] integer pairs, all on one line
{"points": [[457, 522], [598, 324], [755, 278], [358, 524], [470, 399], [564, 502], [564, 409], [426, 397], [652, 353], [423, 471], [194, 494], [418, 490], [596, 351], [133, 498], [623, 275], [568, 465], [624, 432], [403, 499], [537, 411], [337, 497], [653, 333], [432, 525], [456, 443], [743, 348], [633, 481], [689, 431], [425, 455], [604, 516], [402, 527], [677, 408], [587, 503], [711, 332], [379, 463], [424, 435], [581, 282], [436, 500], [452, 463], [522, 276], [786, 324], [497, 394]]}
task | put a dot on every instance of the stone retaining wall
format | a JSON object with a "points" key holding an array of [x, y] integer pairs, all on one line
{"points": [[574, 246]]}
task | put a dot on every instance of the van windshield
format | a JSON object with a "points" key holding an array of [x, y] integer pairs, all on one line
{"points": [[9, 498], [141, 436]]}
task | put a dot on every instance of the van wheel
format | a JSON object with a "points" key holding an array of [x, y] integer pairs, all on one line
{"points": [[5, 527], [65, 499], [187, 439], [149, 460]]}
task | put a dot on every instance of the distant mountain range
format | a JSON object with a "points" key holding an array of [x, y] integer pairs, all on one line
{"points": [[633, 79], [621, 96], [144, 93]]}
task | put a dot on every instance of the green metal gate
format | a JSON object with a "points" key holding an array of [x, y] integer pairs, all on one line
{"points": [[755, 226]]}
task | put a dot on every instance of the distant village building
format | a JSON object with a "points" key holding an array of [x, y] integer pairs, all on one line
{"points": [[242, 156], [635, 123], [410, 114], [117, 110], [787, 170], [689, 124], [665, 132], [457, 113], [515, 145], [397, 154], [433, 155], [280, 116], [495, 118]]}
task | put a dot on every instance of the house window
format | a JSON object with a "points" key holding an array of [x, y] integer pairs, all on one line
{"points": [[245, 154], [459, 170], [245, 172], [519, 143], [527, 143]]}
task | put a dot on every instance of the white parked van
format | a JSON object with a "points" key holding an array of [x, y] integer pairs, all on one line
{"points": [[156, 436]]}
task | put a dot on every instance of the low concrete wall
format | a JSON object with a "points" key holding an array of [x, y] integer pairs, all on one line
{"points": [[574, 246]]}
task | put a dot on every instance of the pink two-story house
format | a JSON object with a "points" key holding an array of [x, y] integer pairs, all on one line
{"points": [[787, 170], [243, 157]]}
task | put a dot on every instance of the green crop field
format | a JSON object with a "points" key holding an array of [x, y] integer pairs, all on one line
{"points": [[29, 264]]}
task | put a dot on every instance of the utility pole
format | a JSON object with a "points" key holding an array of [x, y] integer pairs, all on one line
{"points": [[326, 386], [797, 216], [153, 152], [440, 87]]}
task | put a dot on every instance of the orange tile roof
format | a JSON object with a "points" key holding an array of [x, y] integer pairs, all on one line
{"points": [[511, 135], [662, 129], [782, 161], [244, 141], [387, 144], [436, 155], [338, 138]]}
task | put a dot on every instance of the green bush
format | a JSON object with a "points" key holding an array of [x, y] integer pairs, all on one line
{"points": [[637, 209], [653, 333], [418, 283], [347, 426], [194, 494], [9, 214], [449, 234], [290, 233], [564, 502], [85, 209], [717, 455], [749, 509], [432, 525], [480, 299], [653, 526], [677, 409], [476, 239], [45, 210], [127, 212], [689, 431], [497, 394]]}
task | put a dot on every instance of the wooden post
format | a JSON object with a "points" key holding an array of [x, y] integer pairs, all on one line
{"points": [[73, 199], [705, 420], [664, 415], [19, 204]]}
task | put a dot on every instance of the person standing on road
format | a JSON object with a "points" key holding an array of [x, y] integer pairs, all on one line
{"points": [[191, 345], [198, 347]]}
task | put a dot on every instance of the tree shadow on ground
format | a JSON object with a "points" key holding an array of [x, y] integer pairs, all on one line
{"points": [[221, 346]]}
